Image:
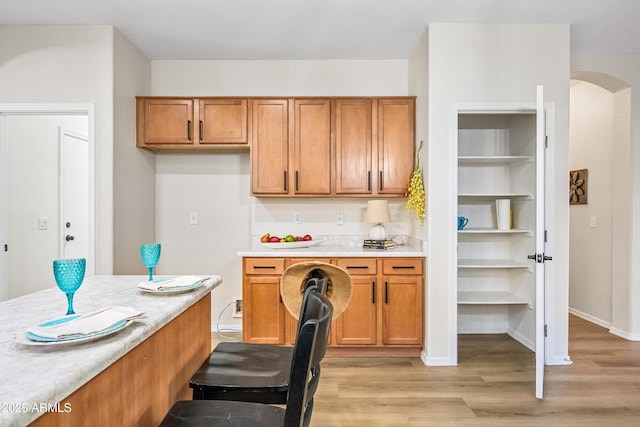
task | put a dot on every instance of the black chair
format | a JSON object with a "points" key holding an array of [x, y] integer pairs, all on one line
{"points": [[309, 349], [250, 372]]}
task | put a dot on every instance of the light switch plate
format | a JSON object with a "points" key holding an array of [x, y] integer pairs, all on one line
{"points": [[43, 223], [193, 218]]}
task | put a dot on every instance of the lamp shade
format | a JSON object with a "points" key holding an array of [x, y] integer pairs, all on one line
{"points": [[377, 211]]}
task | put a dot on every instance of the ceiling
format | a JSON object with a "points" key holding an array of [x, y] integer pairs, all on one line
{"points": [[322, 29]]}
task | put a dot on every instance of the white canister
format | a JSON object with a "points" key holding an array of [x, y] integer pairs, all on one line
{"points": [[503, 214]]}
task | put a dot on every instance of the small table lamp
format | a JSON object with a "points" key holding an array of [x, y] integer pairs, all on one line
{"points": [[377, 213]]}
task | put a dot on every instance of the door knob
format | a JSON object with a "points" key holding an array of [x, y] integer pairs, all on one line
{"points": [[69, 237]]}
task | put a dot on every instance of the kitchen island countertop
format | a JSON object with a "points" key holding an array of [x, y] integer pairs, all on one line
{"points": [[33, 379]]}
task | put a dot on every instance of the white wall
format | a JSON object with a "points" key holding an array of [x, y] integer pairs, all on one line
{"points": [[625, 313], [419, 87], [217, 186], [33, 147], [492, 63], [68, 64], [590, 272], [133, 168]]}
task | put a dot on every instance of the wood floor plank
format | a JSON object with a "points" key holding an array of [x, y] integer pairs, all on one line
{"points": [[493, 385]]}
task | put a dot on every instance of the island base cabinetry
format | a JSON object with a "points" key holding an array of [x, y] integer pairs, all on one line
{"points": [[385, 315], [139, 388]]}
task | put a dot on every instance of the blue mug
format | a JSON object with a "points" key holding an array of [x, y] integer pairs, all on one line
{"points": [[462, 222]]}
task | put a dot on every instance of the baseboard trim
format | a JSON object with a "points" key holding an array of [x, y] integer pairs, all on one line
{"points": [[436, 361], [589, 318]]}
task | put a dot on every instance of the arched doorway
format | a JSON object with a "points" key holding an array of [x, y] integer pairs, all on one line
{"points": [[600, 242]]}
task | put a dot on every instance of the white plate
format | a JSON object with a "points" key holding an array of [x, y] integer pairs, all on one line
{"points": [[290, 245], [22, 336], [174, 290]]}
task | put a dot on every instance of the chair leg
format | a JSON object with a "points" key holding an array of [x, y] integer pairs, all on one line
{"points": [[198, 393]]}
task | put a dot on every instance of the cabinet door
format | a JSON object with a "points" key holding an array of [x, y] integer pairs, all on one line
{"points": [[290, 322], [353, 136], [357, 324], [396, 145], [402, 318], [223, 121], [263, 317], [312, 146], [168, 121], [269, 147]]}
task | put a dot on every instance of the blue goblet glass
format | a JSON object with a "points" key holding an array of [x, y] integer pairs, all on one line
{"points": [[150, 253], [69, 274]]}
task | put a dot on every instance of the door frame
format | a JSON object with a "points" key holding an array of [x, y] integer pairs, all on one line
{"points": [[544, 298], [87, 109]]}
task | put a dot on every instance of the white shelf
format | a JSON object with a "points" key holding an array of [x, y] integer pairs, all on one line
{"points": [[491, 263], [491, 298], [492, 160], [496, 195], [495, 231]]}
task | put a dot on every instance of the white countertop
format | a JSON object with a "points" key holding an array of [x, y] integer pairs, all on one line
{"points": [[338, 246], [31, 376]]}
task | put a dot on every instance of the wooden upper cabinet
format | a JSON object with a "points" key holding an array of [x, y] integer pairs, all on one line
{"points": [[353, 136], [375, 145], [300, 147], [396, 145], [311, 147], [223, 121], [269, 147], [165, 121], [191, 124]]}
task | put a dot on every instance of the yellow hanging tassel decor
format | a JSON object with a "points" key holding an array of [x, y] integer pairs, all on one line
{"points": [[416, 196]]}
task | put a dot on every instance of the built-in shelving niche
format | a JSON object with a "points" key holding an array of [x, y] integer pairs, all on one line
{"points": [[496, 284]]}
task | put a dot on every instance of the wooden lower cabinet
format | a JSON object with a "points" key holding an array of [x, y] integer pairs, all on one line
{"points": [[263, 315], [385, 315], [357, 325]]}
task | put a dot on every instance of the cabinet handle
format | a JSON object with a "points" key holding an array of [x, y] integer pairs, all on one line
{"points": [[285, 180], [386, 292], [403, 267], [258, 267], [296, 180], [189, 130], [373, 292], [200, 129], [368, 180], [356, 266], [381, 184]]}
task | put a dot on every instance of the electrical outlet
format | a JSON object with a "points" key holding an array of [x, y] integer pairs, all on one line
{"points": [[340, 218], [237, 308], [297, 217]]}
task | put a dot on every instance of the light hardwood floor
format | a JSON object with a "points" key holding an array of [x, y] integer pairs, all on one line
{"points": [[493, 384]]}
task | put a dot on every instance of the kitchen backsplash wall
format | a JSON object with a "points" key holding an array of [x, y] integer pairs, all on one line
{"points": [[320, 216]]}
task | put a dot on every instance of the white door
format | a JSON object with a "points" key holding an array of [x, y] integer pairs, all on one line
{"points": [[74, 195], [539, 255]]}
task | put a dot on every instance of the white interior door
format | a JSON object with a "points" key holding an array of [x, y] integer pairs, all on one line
{"points": [[539, 255], [74, 195]]}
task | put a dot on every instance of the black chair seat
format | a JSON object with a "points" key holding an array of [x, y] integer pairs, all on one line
{"points": [[245, 372], [207, 413], [304, 374]]}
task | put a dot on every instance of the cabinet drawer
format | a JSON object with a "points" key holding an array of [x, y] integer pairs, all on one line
{"points": [[356, 266], [402, 266], [263, 266], [299, 260]]}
